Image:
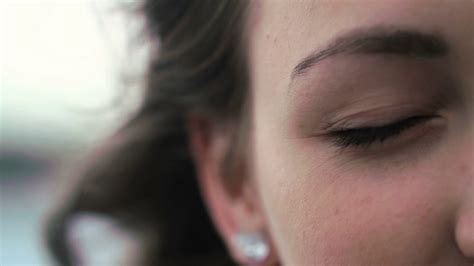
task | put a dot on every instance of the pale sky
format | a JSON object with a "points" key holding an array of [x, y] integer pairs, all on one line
{"points": [[60, 69], [60, 66]]}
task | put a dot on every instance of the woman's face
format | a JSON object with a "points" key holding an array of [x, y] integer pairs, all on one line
{"points": [[363, 130]]}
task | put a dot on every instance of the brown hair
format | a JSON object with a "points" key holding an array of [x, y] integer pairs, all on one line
{"points": [[145, 176]]}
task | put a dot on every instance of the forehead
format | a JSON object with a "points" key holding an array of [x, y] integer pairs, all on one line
{"points": [[282, 32]]}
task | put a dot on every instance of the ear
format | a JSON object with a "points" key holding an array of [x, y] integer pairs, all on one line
{"points": [[235, 211]]}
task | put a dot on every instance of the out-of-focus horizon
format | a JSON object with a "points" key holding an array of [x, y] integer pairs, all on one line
{"points": [[61, 92]]}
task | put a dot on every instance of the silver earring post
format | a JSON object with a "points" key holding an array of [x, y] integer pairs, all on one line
{"points": [[253, 246]]}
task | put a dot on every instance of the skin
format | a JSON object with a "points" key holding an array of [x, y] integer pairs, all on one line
{"points": [[406, 201]]}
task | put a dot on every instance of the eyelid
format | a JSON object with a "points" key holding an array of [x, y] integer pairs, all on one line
{"points": [[381, 116], [385, 124], [366, 136]]}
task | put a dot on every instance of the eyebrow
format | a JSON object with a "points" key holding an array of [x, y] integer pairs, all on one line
{"points": [[378, 40]]}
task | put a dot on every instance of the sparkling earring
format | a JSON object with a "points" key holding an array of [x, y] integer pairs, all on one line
{"points": [[253, 246]]}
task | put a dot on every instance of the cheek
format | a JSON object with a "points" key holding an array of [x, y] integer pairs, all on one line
{"points": [[322, 214]]}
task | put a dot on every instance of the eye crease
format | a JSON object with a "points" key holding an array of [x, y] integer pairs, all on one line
{"points": [[365, 136]]}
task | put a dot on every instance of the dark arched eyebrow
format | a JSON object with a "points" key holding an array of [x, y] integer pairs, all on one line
{"points": [[378, 40]]}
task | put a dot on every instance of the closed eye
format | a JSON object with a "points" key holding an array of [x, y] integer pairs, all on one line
{"points": [[365, 136]]}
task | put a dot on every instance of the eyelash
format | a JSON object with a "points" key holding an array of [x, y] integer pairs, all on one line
{"points": [[366, 136]]}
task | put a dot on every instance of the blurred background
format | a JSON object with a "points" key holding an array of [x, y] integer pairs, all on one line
{"points": [[69, 76]]}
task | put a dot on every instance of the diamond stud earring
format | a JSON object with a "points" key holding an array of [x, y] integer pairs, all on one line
{"points": [[253, 246]]}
